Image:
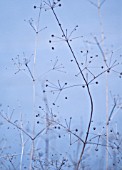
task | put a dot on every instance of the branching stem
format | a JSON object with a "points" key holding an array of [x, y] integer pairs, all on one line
{"points": [[87, 86]]}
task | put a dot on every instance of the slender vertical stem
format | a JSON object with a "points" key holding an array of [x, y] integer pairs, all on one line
{"points": [[87, 86], [34, 100], [22, 143], [104, 56], [47, 136], [107, 134], [34, 83]]}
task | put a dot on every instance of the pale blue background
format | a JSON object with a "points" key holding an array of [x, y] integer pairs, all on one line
{"points": [[16, 37]]}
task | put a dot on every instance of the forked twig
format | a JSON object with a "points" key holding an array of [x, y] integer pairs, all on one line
{"points": [[87, 86]]}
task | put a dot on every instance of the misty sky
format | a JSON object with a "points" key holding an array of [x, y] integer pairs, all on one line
{"points": [[17, 37]]}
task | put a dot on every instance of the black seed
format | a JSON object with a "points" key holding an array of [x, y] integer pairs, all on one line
{"points": [[108, 70]]}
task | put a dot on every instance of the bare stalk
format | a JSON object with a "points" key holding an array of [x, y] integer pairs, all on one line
{"points": [[87, 86], [22, 144], [47, 137], [21, 129], [69, 131], [34, 77], [99, 4]]}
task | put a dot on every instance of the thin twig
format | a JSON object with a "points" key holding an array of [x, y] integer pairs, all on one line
{"points": [[88, 90]]}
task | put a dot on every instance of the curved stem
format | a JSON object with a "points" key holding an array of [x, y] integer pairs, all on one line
{"points": [[87, 86]]}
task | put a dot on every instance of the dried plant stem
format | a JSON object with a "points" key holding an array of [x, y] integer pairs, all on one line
{"points": [[69, 131], [22, 144], [47, 136], [30, 72], [15, 125], [34, 100], [87, 86], [107, 127], [105, 59], [100, 20], [34, 87], [21, 129], [100, 144]]}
